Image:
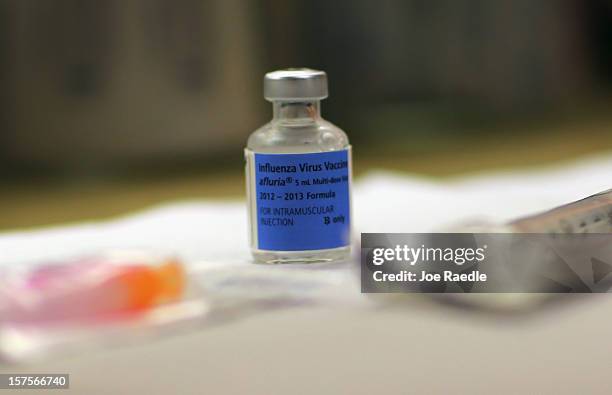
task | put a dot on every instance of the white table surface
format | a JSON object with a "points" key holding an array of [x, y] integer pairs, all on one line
{"points": [[411, 347]]}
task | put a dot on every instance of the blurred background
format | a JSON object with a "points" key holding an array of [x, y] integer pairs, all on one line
{"points": [[109, 106]]}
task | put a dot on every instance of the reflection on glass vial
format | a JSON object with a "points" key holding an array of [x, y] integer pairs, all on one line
{"points": [[298, 175]]}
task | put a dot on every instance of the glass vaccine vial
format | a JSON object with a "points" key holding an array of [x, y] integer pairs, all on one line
{"points": [[298, 175]]}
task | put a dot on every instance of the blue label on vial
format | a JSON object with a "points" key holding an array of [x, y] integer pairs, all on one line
{"points": [[302, 201]]}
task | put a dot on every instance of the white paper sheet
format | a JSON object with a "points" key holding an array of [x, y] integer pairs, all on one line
{"points": [[215, 232]]}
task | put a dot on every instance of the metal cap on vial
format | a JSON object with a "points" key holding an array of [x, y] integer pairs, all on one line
{"points": [[295, 84]]}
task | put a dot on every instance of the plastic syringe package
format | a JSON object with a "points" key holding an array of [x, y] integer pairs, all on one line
{"points": [[49, 308]]}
